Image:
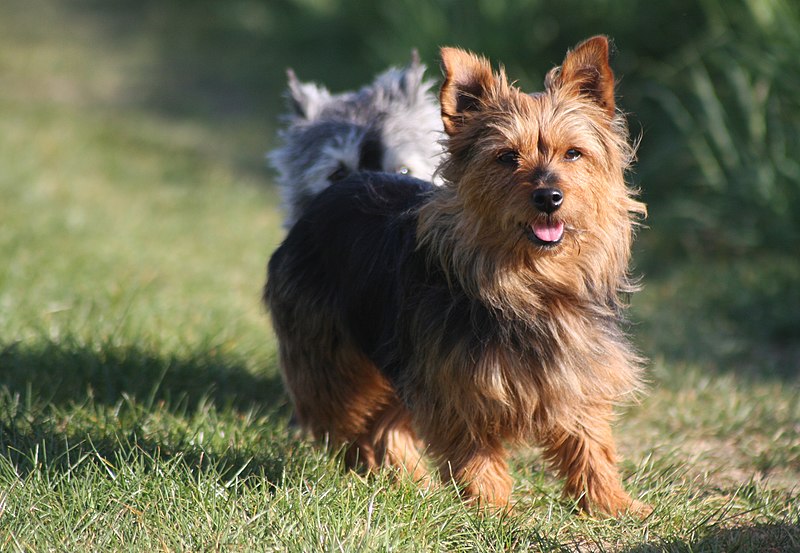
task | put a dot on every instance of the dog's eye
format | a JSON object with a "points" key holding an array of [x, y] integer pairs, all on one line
{"points": [[340, 173], [572, 154], [404, 171], [510, 158]]}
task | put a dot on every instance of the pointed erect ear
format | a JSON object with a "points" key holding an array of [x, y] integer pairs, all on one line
{"points": [[467, 79], [305, 99], [587, 72]]}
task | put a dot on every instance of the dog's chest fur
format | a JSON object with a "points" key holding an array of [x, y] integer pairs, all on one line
{"points": [[515, 374]]}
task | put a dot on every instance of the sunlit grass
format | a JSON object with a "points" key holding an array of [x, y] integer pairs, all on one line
{"points": [[140, 405]]}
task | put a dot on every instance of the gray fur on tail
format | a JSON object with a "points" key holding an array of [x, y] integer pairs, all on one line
{"points": [[393, 125]]}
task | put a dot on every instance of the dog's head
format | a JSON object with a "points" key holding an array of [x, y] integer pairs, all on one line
{"points": [[390, 125], [538, 179], [547, 167]]}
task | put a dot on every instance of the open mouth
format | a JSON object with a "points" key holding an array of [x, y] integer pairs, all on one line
{"points": [[545, 233]]}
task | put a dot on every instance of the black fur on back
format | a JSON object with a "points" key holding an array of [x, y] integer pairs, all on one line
{"points": [[350, 250]]}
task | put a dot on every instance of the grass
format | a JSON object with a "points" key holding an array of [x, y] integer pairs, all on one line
{"points": [[140, 406]]}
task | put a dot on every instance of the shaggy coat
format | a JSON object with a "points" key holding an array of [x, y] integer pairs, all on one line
{"points": [[465, 318]]}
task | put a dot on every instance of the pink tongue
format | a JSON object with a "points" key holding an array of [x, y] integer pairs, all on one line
{"points": [[548, 232]]}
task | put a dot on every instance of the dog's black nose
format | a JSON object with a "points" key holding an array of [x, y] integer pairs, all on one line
{"points": [[547, 200]]}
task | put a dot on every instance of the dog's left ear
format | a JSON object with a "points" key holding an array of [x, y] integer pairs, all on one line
{"points": [[586, 70], [467, 80]]}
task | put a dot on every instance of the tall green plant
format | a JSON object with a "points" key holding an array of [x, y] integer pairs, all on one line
{"points": [[730, 98]]}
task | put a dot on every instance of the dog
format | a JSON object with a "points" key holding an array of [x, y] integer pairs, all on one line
{"points": [[391, 125], [487, 312]]}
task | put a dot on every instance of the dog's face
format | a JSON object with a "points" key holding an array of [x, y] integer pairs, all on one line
{"points": [[539, 173], [391, 125]]}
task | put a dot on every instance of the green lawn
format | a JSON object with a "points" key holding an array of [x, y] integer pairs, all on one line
{"points": [[140, 405]]}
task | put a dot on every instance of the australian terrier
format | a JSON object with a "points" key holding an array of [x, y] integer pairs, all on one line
{"points": [[466, 318]]}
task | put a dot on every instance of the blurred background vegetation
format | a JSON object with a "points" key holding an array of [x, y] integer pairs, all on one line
{"points": [[713, 88]]}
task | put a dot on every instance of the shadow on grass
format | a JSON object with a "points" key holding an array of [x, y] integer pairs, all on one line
{"points": [[53, 452], [760, 537], [66, 371], [63, 403]]}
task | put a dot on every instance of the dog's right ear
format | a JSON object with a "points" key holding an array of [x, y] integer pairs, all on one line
{"points": [[467, 80], [305, 99]]}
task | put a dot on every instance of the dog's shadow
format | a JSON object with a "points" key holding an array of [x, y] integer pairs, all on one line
{"points": [[777, 536], [40, 384]]}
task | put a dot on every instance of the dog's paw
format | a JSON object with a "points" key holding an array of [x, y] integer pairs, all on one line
{"points": [[638, 509]]}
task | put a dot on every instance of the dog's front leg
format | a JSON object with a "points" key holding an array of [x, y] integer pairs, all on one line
{"points": [[586, 458], [479, 470]]}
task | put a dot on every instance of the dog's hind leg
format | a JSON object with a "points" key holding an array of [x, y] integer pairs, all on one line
{"points": [[340, 396], [335, 390]]}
